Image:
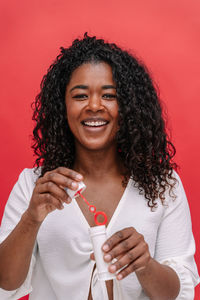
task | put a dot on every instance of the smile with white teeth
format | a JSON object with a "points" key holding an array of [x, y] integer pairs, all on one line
{"points": [[94, 123]]}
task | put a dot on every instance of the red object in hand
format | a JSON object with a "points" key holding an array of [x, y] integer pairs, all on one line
{"points": [[92, 209]]}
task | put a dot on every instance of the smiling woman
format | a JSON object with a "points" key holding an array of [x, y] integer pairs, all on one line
{"points": [[98, 119]]}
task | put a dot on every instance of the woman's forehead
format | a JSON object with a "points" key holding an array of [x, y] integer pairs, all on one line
{"points": [[92, 72]]}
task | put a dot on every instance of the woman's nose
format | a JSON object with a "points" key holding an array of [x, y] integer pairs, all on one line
{"points": [[94, 103]]}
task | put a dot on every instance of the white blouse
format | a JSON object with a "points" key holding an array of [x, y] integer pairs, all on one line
{"points": [[61, 267]]}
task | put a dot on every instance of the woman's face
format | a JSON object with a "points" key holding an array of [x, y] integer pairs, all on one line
{"points": [[92, 108]]}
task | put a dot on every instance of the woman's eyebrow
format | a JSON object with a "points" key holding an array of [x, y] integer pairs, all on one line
{"points": [[84, 87], [108, 87]]}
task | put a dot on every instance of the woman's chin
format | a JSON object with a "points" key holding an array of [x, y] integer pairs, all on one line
{"points": [[97, 146]]}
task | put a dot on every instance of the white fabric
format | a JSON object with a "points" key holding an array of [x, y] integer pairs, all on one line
{"points": [[61, 267]]}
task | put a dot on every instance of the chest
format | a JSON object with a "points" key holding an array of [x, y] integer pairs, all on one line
{"points": [[99, 200], [66, 231]]}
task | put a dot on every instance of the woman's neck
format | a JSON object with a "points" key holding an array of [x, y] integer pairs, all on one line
{"points": [[95, 164]]}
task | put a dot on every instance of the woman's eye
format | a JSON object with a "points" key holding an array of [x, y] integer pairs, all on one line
{"points": [[80, 96], [109, 96]]}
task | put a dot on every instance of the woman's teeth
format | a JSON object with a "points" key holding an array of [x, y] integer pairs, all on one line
{"points": [[95, 123]]}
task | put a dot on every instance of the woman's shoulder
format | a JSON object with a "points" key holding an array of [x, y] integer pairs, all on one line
{"points": [[177, 189], [174, 194], [30, 174], [175, 197], [27, 180]]}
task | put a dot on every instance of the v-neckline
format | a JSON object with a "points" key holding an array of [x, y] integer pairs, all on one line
{"points": [[115, 213]]}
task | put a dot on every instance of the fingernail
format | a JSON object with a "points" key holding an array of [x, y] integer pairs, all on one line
{"points": [[119, 276], [74, 185], [69, 200], [113, 268], [107, 257], [105, 247], [79, 176]]}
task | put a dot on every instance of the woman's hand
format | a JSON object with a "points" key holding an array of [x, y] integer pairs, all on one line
{"points": [[130, 249], [49, 192]]}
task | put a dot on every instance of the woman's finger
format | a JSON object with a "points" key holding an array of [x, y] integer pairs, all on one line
{"points": [[139, 263], [117, 237], [121, 248], [92, 257], [49, 200], [70, 173], [54, 190], [127, 258], [59, 179]]}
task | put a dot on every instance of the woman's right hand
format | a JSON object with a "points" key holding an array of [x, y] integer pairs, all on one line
{"points": [[49, 192]]}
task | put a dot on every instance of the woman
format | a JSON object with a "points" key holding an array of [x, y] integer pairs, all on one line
{"points": [[98, 119]]}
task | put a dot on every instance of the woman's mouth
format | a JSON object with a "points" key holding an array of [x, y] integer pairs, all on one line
{"points": [[94, 123]]}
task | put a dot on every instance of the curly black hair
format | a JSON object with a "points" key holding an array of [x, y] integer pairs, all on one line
{"points": [[142, 138]]}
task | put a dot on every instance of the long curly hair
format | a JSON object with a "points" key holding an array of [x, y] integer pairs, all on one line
{"points": [[143, 143]]}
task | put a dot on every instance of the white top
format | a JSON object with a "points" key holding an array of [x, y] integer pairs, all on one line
{"points": [[61, 267]]}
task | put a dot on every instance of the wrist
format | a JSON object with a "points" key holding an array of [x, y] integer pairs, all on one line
{"points": [[29, 220], [146, 269]]}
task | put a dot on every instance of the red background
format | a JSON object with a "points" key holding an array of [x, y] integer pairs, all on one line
{"points": [[165, 34]]}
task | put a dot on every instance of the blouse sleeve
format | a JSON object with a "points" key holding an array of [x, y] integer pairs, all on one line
{"points": [[16, 205], [175, 245]]}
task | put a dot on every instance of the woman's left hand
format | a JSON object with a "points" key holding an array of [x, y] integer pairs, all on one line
{"points": [[130, 249]]}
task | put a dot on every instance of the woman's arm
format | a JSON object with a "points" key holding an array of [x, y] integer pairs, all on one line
{"points": [[28, 209], [16, 252], [159, 282], [172, 269]]}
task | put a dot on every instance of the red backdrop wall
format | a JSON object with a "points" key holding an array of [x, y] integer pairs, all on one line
{"points": [[165, 34]]}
